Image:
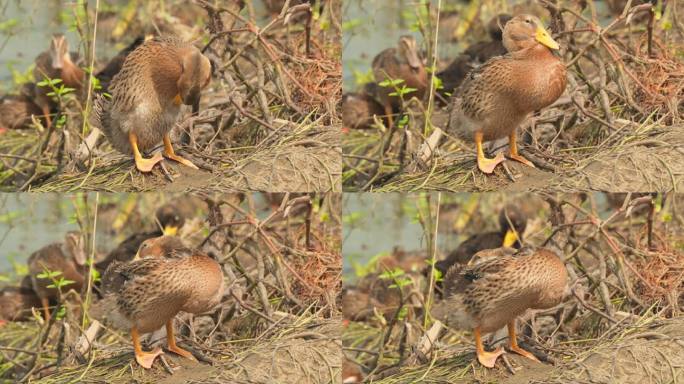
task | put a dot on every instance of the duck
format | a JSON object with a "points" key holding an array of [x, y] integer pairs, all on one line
{"points": [[452, 76], [359, 108], [496, 97], [500, 285], [146, 95], [512, 224], [106, 74], [68, 257], [56, 63], [401, 62], [163, 279], [16, 303], [16, 110], [170, 218]]}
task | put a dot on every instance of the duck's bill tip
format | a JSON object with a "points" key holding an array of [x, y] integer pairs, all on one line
{"points": [[544, 38]]}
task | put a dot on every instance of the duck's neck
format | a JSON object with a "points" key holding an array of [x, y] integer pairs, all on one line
{"points": [[71, 74], [536, 52]]}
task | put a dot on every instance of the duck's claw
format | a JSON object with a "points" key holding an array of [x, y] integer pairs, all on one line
{"points": [[182, 352], [523, 352], [146, 165], [521, 159], [181, 160], [145, 359], [488, 359], [487, 165]]}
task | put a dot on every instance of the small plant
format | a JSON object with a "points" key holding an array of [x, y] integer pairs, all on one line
{"points": [[58, 282]]}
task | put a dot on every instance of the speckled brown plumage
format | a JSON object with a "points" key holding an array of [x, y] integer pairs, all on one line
{"points": [[155, 79], [165, 279], [499, 287], [401, 62], [487, 240], [106, 74], [495, 98], [67, 257]]}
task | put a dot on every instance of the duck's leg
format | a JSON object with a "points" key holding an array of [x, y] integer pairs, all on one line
{"points": [[388, 113], [168, 152], [513, 342], [172, 342], [512, 143], [143, 165], [145, 359], [486, 165], [46, 305], [488, 359]]}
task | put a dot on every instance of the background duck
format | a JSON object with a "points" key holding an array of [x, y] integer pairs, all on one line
{"points": [[156, 78], [512, 224], [358, 108], [16, 110], [401, 62], [170, 218], [56, 63], [496, 97], [16, 303], [498, 288], [165, 278], [68, 258], [453, 75]]}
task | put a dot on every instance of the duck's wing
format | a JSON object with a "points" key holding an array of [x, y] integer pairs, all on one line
{"points": [[119, 274], [482, 84], [461, 278]]}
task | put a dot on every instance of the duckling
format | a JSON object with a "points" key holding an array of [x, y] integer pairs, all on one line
{"points": [[512, 224], [164, 279], [16, 303], [114, 65], [170, 217], [16, 110], [401, 62], [56, 63], [497, 288], [358, 108], [68, 258], [496, 97], [156, 78]]}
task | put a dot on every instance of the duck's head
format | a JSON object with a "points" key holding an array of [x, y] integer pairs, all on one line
{"points": [[170, 219], [512, 222], [162, 246], [526, 31], [408, 50], [59, 51], [74, 245], [195, 75]]}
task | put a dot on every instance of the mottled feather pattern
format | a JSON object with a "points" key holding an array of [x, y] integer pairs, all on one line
{"points": [[141, 95], [497, 289]]}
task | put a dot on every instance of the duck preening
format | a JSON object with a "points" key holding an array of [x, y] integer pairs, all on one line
{"points": [[146, 95]]}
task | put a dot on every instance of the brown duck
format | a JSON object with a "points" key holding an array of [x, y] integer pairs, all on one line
{"points": [[358, 108], [68, 258], [498, 286], [156, 78], [16, 303], [56, 63], [402, 62], [16, 110], [495, 98], [512, 224], [164, 279]]}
